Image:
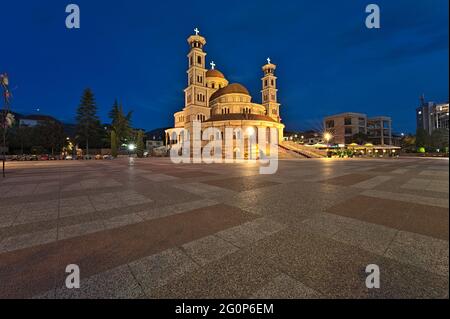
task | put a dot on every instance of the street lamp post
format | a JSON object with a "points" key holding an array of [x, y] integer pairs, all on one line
{"points": [[4, 82]]}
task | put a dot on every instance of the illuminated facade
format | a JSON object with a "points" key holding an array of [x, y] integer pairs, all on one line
{"points": [[345, 125], [211, 100]]}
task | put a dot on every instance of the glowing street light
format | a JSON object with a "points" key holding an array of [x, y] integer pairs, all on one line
{"points": [[327, 136], [131, 147]]}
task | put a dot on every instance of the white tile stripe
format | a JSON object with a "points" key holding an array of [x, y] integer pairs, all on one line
{"points": [[373, 182]]}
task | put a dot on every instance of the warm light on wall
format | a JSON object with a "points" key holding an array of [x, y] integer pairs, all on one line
{"points": [[250, 131], [327, 136]]}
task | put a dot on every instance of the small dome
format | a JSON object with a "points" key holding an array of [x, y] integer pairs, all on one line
{"points": [[214, 74], [230, 89]]}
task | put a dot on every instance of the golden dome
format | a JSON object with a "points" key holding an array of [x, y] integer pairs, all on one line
{"points": [[214, 74], [230, 89]]}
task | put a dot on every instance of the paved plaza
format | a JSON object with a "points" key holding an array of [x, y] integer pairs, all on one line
{"points": [[153, 229]]}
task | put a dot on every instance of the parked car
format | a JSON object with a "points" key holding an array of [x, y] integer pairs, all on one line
{"points": [[68, 158], [33, 158], [107, 157], [44, 158], [98, 157]]}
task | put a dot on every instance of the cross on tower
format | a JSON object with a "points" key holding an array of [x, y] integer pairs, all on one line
{"points": [[268, 60], [197, 31], [213, 65]]}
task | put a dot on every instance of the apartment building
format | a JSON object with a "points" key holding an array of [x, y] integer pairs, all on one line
{"points": [[431, 116], [344, 126]]}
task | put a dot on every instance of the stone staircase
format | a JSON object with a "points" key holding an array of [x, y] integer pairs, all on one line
{"points": [[285, 153], [308, 152]]}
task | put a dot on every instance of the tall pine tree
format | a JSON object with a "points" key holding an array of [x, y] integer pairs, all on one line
{"points": [[88, 122], [120, 122], [140, 146]]}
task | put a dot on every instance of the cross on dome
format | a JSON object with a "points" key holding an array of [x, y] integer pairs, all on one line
{"points": [[197, 31], [213, 65], [268, 60]]}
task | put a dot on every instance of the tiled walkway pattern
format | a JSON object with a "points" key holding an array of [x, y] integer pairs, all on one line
{"points": [[152, 229]]}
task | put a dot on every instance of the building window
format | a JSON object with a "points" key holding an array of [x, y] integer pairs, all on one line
{"points": [[348, 121], [348, 130], [200, 97], [362, 121], [199, 60], [329, 124]]}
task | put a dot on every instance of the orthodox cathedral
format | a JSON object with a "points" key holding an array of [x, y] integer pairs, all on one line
{"points": [[214, 102]]}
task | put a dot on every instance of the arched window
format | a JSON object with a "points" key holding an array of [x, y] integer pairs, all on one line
{"points": [[201, 117]]}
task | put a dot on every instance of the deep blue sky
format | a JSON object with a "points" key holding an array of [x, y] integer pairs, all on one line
{"points": [[135, 50]]}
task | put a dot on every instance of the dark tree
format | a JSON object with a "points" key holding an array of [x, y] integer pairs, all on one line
{"points": [[88, 123], [422, 139], [360, 138], [120, 122], [140, 146], [51, 136], [439, 139]]}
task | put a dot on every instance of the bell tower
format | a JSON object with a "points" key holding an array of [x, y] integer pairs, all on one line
{"points": [[196, 101], [269, 91]]}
